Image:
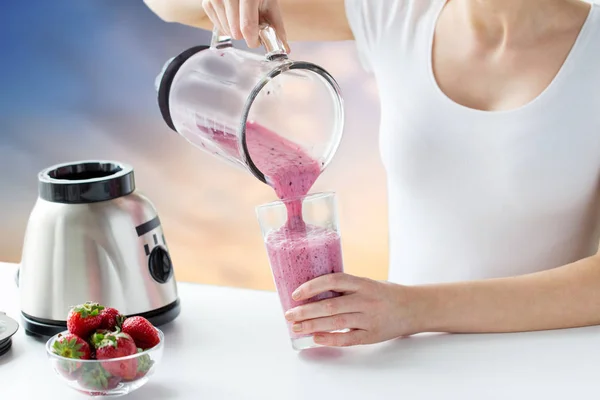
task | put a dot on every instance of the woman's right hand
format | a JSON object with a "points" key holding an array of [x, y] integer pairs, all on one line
{"points": [[240, 19]]}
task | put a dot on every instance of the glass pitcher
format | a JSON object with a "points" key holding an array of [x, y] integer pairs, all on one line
{"points": [[209, 95]]}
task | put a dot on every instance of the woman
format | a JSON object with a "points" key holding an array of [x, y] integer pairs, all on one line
{"points": [[490, 135]]}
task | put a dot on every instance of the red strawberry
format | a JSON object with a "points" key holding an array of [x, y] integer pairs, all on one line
{"points": [[142, 331], [71, 346], [84, 319], [111, 318], [114, 345]]}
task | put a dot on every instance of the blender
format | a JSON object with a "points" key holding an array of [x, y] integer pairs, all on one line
{"points": [[209, 95]]}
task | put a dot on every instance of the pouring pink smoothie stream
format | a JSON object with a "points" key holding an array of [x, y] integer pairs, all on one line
{"points": [[206, 93], [297, 252]]}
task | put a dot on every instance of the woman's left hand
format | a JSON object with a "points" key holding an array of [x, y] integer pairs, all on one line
{"points": [[372, 311]]}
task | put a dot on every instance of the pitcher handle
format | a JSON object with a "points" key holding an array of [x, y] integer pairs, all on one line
{"points": [[274, 47]]}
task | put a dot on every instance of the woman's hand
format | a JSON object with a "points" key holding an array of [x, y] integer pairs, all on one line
{"points": [[240, 18], [372, 311]]}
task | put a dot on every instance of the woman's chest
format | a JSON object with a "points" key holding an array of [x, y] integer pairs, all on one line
{"points": [[546, 155], [508, 71], [495, 82]]}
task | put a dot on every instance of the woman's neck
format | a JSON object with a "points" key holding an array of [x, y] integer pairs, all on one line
{"points": [[505, 23]]}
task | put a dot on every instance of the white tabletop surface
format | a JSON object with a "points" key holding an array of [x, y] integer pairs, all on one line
{"points": [[232, 344]]}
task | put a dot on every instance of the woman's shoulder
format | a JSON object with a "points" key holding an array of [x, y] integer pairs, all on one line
{"points": [[588, 41], [386, 13], [378, 25], [374, 20], [593, 21]]}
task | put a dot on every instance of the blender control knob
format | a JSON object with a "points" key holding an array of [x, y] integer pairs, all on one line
{"points": [[160, 265]]}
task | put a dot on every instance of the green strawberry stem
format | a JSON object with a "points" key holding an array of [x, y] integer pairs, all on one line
{"points": [[68, 348], [96, 339], [88, 309], [100, 339], [144, 362], [95, 377], [120, 320]]}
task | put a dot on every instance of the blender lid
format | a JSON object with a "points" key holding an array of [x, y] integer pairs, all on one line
{"points": [[8, 327]]}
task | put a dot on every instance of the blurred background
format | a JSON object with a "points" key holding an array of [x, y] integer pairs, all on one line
{"points": [[77, 82]]}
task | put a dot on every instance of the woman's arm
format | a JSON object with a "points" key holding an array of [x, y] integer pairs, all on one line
{"points": [[187, 12], [564, 297], [305, 20]]}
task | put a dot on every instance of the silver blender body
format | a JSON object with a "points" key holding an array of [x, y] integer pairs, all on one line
{"points": [[92, 237]]}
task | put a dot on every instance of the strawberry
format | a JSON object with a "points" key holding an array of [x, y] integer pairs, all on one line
{"points": [[85, 318], [111, 318], [114, 345], [145, 363], [95, 378], [142, 331], [71, 346]]}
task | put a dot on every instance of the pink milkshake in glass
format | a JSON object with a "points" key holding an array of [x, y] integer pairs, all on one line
{"points": [[303, 242]]}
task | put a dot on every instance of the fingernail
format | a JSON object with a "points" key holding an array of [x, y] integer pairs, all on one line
{"points": [[297, 327], [319, 339], [289, 315], [296, 294]]}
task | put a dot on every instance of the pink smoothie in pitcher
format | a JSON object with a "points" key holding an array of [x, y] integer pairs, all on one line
{"points": [[287, 166]]}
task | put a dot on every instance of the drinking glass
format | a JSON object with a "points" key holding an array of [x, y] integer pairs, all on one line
{"points": [[303, 242]]}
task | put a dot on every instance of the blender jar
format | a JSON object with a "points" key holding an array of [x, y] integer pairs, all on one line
{"points": [[209, 95]]}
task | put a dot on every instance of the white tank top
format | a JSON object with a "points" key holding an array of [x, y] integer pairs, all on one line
{"points": [[475, 194]]}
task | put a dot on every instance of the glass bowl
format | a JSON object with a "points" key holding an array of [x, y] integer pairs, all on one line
{"points": [[92, 377]]}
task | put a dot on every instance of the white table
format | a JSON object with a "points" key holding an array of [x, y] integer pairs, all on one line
{"points": [[232, 344]]}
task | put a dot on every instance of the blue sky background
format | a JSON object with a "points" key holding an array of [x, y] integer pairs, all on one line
{"points": [[77, 82]]}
